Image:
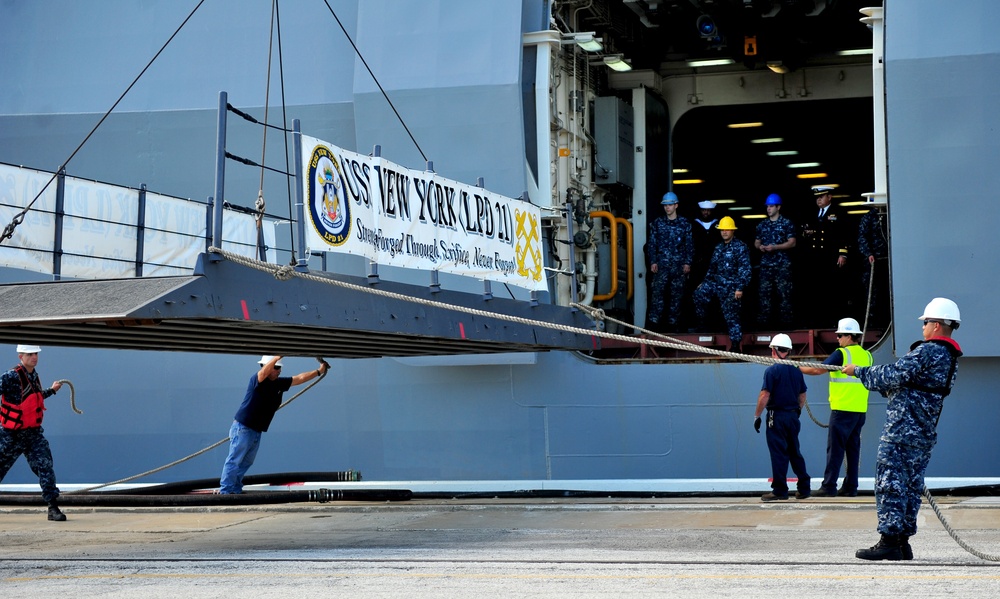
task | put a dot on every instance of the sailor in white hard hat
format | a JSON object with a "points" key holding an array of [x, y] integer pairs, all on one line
{"points": [[22, 407], [783, 394], [916, 386], [848, 410], [262, 400]]}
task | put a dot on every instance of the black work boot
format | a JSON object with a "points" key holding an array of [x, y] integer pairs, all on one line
{"points": [[55, 514], [904, 546], [889, 548]]}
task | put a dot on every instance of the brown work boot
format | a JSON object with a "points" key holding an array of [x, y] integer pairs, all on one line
{"points": [[773, 497], [889, 547]]}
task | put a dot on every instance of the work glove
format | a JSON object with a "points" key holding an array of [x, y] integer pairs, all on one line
{"points": [[756, 424]]}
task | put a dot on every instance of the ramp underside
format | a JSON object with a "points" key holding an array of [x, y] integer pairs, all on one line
{"points": [[230, 308]]}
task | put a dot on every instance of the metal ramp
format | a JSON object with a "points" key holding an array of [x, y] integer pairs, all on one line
{"points": [[227, 307]]}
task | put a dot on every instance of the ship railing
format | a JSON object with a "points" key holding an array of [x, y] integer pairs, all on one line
{"points": [[85, 229]]}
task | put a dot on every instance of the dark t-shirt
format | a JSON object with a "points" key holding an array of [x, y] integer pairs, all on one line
{"points": [[835, 359], [261, 402], [785, 383]]}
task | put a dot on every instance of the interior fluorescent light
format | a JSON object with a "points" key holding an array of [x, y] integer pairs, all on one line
{"points": [[783, 153], [803, 165], [744, 125], [712, 62], [861, 203], [855, 52], [680, 171], [687, 181], [767, 140], [724, 201], [754, 216], [615, 62], [739, 208], [811, 176], [588, 41], [857, 211], [778, 67]]}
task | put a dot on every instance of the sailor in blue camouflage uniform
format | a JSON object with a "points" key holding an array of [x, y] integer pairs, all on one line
{"points": [[671, 253], [873, 246], [22, 407], [916, 386], [775, 239], [728, 275]]}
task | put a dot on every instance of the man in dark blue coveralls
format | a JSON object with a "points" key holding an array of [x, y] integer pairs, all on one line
{"points": [[783, 395], [916, 386]]}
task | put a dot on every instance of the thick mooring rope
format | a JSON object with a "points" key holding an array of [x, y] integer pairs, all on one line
{"points": [[285, 273]]}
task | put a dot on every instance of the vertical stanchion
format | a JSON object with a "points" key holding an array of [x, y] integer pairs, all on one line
{"points": [[302, 264], [57, 242], [140, 231], [372, 264], [208, 222], [220, 173]]}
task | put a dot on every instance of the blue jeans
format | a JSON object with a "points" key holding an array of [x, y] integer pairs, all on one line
{"points": [[243, 445]]}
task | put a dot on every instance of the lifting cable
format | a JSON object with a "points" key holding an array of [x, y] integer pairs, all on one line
{"points": [[18, 218], [375, 79], [260, 205], [199, 452]]}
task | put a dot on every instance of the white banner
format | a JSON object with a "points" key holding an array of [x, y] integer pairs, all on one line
{"points": [[100, 229], [395, 216]]}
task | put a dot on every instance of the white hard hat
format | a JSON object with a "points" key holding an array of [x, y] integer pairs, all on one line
{"points": [[781, 341], [848, 326], [941, 308], [265, 359], [28, 349]]}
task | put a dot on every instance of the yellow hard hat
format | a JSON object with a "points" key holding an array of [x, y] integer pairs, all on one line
{"points": [[726, 223]]}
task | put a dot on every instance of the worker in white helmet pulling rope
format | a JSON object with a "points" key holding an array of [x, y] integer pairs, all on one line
{"points": [[916, 386], [263, 397], [783, 394], [22, 407]]}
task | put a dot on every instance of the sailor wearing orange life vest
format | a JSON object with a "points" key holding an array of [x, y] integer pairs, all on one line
{"points": [[22, 407]]}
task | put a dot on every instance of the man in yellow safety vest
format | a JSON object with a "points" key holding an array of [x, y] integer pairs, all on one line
{"points": [[848, 408]]}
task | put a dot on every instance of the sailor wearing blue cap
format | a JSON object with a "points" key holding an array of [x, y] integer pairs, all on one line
{"points": [[671, 251], [775, 238]]}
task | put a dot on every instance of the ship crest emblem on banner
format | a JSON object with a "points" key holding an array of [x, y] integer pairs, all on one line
{"points": [[328, 205]]}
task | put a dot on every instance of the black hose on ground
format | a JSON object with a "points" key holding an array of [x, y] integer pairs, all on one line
{"points": [[213, 499], [278, 478]]}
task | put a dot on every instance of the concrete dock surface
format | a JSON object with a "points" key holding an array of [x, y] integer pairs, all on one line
{"points": [[548, 547]]}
